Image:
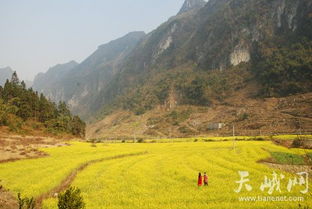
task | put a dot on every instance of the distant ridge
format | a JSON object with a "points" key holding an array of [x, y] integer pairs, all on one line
{"points": [[5, 73], [191, 4]]}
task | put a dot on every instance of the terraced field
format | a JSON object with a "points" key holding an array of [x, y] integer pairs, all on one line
{"points": [[156, 175]]}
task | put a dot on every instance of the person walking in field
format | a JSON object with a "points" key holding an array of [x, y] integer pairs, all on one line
{"points": [[200, 180], [205, 179]]}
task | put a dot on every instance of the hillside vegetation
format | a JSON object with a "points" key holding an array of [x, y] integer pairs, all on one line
{"points": [[228, 48], [227, 60], [24, 110]]}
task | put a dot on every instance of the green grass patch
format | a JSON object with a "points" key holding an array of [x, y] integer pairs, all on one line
{"points": [[287, 158], [309, 155]]}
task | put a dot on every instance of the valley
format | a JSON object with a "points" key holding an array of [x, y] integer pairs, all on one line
{"points": [[211, 109]]}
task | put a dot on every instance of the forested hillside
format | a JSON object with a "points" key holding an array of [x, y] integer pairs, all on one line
{"points": [[24, 110]]}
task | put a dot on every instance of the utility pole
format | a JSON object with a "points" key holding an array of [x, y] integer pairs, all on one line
{"points": [[300, 128], [134, 137], [171, 134], [234, 140], [300, 131]]}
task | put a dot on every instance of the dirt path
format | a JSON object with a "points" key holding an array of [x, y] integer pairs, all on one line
{"points": [[71, 177], [7, 200]]}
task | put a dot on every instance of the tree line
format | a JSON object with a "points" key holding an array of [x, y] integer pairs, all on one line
{"points": [[19, 105]]}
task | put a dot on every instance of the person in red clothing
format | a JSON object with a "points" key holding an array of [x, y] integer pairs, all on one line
{"points": [[200, 180], [205, 179]]}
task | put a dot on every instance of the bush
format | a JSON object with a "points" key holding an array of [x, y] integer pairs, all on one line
{"points": [[141, 141], [15, 123], [25, 203], [297, 143], [71, 199], [186, 130]]}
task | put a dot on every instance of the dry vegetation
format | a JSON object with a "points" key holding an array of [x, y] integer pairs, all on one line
{"points": [[15, 147], [251, 116]]}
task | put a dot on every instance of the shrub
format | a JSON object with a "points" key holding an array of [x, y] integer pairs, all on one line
{"points": [[71, 199], [25, 203], [141, 141], [186, 130], [243, 117], [298, 143]]}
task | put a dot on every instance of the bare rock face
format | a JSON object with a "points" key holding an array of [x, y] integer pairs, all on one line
{"points": [[239, 55], [191, 4]]}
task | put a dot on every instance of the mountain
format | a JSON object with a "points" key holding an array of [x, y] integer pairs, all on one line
{"points": [[224, 61], [191, 4], [5, 73], [221, 35], [47, 83], [78, 84], [28, 83]]}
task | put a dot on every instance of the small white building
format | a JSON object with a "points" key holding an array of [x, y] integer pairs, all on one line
{"points": [[215, 126]]}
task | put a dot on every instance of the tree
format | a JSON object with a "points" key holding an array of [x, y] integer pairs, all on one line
{"points": [[195, 92], [78, 127], [63, 109], [23, 84], [1, 92], [15, 79], [71, 199], [18, 104], [47, 110]]}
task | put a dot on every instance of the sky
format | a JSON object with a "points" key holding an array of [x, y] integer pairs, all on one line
{"points": [[38, 34]]}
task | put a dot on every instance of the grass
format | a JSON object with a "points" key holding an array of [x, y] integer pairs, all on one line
{"points": [[165, 177], [288, 158]]}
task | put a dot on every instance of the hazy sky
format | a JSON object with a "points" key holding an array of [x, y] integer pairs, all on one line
{"points": [[38, 34]]}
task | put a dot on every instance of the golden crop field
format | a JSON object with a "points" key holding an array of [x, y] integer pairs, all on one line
{"points": [[163, 175]]}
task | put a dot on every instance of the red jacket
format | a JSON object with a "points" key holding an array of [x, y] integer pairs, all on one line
{"points": [[200, 181]]}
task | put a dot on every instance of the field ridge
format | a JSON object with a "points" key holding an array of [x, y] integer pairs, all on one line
{"points": [[70, 178]]}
